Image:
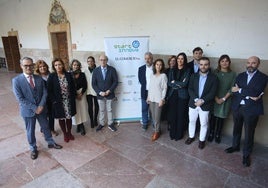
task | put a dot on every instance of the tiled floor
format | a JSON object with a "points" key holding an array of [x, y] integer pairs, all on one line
{"points": [[123, 159]]}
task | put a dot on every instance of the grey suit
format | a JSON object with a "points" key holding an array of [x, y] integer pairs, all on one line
{"points": [[29, 99]]}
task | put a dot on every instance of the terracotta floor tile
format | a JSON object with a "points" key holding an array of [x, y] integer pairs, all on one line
{"points": [[114, 171]]}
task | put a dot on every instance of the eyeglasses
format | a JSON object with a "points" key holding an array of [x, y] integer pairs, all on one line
{"points": [[28, 66]]}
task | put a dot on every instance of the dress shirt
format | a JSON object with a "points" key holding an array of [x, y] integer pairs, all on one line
{"points": [[149, 72], [28, 78], [202, 81], [196, 66], [250, 75]]}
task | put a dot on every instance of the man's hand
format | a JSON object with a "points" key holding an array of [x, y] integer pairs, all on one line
{"points": [[235, 88], [107, 92], [199, 102], [39, 109]]}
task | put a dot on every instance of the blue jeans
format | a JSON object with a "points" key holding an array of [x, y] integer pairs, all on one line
{"points": [[145, 112], [30, 129]]}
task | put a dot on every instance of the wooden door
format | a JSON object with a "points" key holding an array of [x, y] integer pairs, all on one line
{"points": [[12, 53], [60, 47]]}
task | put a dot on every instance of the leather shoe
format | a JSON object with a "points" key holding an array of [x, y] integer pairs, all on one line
{"points": [[201, 144], [99, 128], [55, 146], [34, 154], [155, 136], [231, 150], [246, 161], [189, 141]]}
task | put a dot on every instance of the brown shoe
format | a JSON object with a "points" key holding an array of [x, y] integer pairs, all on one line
{"points": [[155, 136]]}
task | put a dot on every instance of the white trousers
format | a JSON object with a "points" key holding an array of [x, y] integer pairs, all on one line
{"points": [[203, 117]]}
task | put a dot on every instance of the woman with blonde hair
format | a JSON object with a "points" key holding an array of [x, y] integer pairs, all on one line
{"points": [[42, 69]]}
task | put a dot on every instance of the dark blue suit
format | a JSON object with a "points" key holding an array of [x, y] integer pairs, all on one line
{"points": [[29, 99], [247, 114], [101, 85]]}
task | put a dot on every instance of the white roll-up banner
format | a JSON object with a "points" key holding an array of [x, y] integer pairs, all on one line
{"points": [[126, 55]]}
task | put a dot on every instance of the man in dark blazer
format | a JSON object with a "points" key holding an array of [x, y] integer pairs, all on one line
{"points": [[194, 64], [202, 91], [30, 92], [247, 105], [104, 82], [144, 74]]}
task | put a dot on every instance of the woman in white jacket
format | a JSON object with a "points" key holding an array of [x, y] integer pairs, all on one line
{"points": [[156, 95]]}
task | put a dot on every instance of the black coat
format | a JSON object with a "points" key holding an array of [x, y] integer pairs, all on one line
{"points": [[54, 93]]}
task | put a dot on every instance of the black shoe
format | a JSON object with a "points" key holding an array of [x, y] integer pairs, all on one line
{"points": [[78, 128], [144, 127], [217, 139], [112, 127], [82, 128], [201, 144], [246, 161], [210, 137], [55, 146], [34, 154], [231, 150], [189, 141], [99, 128]]}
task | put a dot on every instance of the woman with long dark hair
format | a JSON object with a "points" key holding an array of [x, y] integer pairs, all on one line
{"points": [[222, 103], [61, 91], [180, 99]]}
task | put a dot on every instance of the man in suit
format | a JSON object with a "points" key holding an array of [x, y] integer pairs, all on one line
{"points": [[144, 74], [202, 91], [247, 105], [30, 91], [194, 64], [104, 82]]}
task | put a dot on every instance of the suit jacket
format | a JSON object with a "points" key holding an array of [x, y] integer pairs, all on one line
{"points": [[101, 85], [208, 94], [190, 65], [254, 88], [142, 80], [54, 92], [29, 98]]}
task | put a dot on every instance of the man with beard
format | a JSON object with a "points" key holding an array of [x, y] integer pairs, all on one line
{"points": [[202, 90], [247, 105]]}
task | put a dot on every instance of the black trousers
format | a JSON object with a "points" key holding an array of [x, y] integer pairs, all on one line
{"points": [[250, 122], [93, 109]]}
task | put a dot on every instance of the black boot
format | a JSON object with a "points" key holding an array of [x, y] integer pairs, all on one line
{"points": [[78, 128], [211, 128], [218, 130], [82, 128]]}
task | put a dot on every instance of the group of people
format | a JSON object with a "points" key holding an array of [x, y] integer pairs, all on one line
{"points": [[73, 97], [190, 96]]}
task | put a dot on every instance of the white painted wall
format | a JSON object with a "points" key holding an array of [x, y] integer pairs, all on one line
{"points": [[236, 27]]}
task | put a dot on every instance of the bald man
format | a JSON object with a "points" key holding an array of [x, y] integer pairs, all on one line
{"points": [[104, 82], [247, 105]]}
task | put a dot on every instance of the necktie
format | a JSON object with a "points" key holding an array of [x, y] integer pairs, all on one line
{"points": [[104, 70], [31, 81]]}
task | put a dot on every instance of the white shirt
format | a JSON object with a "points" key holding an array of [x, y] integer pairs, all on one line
{"points": [[149, 72], [28, 78]]}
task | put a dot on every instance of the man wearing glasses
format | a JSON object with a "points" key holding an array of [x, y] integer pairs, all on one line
{"points": [[31, 93]]}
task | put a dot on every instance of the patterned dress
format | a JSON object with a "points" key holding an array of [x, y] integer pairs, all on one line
{"points": [[65, 97]]}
